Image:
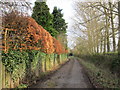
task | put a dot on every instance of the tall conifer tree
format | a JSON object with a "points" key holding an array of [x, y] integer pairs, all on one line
{"points": [[43, 17], [58, 21]]}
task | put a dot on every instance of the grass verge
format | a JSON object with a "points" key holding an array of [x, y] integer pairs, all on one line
{"points": [[101, 78]]}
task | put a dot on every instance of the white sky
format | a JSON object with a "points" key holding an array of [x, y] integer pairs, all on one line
{"points": [[68, 12]]}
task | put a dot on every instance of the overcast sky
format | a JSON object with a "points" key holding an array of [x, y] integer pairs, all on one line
{"points": [[68, 12]]}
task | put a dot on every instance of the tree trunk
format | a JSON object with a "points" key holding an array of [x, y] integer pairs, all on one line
{"points": [[112, 24], [107, 31], [119, 29], [104, 42], [97, 48], [101, 44]]}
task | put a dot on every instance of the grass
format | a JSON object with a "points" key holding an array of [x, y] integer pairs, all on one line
{"points": [[110, 62], [101, 78], [22, 86], [50, 84]]}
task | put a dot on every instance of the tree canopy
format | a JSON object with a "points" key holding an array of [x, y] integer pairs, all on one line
{"points": [[43, 17], [58, 21]]}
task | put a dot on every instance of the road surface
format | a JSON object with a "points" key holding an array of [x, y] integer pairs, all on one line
{"points": [[70, 75]]}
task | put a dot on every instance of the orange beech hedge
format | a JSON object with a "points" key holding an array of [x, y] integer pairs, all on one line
{"points": [[40, 36], [23, 33]]}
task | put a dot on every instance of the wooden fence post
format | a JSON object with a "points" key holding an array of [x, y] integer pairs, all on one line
{"points": [[7, 79], [3, 76], [0, 74]]}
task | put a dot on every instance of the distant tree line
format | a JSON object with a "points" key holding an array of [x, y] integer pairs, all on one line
{"points": [[99, 23]]}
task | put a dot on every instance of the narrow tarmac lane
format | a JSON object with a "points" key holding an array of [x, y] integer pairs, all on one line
{"points": [[71, 75]]}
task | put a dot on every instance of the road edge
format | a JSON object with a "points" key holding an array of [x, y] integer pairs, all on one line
{"points": [[47, 76], [86, 74]]}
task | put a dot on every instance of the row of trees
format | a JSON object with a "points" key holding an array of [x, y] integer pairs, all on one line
{"points": [[26, 46], [53, 23], [23, 33], [98, 24]]}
